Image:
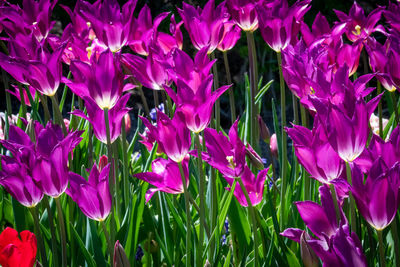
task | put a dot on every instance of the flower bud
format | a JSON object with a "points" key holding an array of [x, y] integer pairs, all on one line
{"points": [[127, 120], [264, 131], [103, 161], [120, 258], [273, 145], [307, 254], [254, 158]]}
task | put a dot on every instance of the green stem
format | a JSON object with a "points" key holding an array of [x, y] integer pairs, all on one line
{"points": [[283, 156], [395, 236], [202, 197], [295, 110], [111, 174], [8, 98], [62, 232], [381, 248], [117, 183], [23, 104], [90, 145], [45, 107], [35, 215], [351, 200], [125, 164], [52, 231], [155, 96], [396, 112], [216, 86], [57, 114], [253, 220], [229, 81], [335, 202], [188, 216], [379, 88], [64, 94], [253, 87], [110, 246], [144, 100]]}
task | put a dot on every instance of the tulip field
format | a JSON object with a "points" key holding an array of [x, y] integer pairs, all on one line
{"points": [[201, 133]]}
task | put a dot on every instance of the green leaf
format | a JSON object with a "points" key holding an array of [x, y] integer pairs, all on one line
{"points": [[262, 91], [89, 259]]}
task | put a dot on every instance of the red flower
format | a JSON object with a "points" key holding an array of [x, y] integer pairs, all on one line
{"points": [[15, 251]]}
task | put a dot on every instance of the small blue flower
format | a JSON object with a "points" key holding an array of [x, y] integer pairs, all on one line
{"points": [[139, 253]]}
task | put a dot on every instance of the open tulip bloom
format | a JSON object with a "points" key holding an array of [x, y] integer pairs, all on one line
{"points": [[93, 195]]}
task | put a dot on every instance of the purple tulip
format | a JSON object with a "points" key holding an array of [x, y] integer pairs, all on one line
{"points": [[358, 26], [93, 196], [228, 155], [111, 27], [196, 103], [231, 36], [279, 23], [192, 72], [378, 197], [16, 173], [392, 16], [51, 167], [243, 13], [144, 31], [253, 185], [393, 65], [346, 124], [205, 26], [334, 244], [321, 31], [102, 80], [172, 136], [95, 116], [165, 176], [315, 153], [379, 62], [34, 18], [150, 72]]}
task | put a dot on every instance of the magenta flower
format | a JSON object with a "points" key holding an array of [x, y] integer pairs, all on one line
{"points": [[95, 116], [231, 36], [347, 124], [51, 167], [358, 26], [378, 197], [196, 100], [205, 27], [393, 65], [392, 16], [172, 136], [165, 177], [315, 153], [379, 62], [16, 173], [333, 243], [45, 76], [389, 151], [191, 72], [144, 31], [111, 27], [228, 155], [279, 23], [93, 196], [243, 13], [253, 185], [34, 17], [150, 72], [102, 80]]}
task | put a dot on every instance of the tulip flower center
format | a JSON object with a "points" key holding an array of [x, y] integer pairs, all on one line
{"points": [[357, 29], [312, 90], [231, 164]]}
